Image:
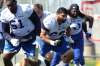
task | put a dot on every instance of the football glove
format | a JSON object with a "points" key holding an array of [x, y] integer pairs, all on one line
{"points": [[55, 43], [14, 41]]}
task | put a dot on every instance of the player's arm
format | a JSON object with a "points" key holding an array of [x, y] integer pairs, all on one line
{"points": [[44, 34], [90, 21], [5, 26], [45, 37], [6, 31], [84, 24], [84, 27], [36, 21]]}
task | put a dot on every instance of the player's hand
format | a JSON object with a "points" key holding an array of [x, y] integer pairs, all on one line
{"points": [[14, 41], [69, 40], [55, 43], [89, 33]]}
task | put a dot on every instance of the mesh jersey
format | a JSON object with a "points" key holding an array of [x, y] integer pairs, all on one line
{"points": [[20, 25], [55, 30], [78, 21]]}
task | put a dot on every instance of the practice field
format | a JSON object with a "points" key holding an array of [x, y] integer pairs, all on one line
{"points": [[88, 63], [91, 62]]}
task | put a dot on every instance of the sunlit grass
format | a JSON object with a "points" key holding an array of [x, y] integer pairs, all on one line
{"points": [[91, 62]]}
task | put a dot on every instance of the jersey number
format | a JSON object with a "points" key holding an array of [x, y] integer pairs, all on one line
{"points": [[16, 24]]}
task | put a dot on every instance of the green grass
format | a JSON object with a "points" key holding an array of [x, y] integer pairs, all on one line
{"points": [[91, 62]]}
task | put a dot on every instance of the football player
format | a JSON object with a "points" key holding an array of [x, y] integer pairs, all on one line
{"points": [[40, 11], [42, 15], [21, 25], [52, 32], [78, 25]]}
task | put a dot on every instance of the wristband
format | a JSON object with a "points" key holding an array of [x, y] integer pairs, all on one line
{"points": [[90, 30]]}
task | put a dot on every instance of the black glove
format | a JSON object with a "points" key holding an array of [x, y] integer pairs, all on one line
{"points": [[88, 35], [58, 42]]}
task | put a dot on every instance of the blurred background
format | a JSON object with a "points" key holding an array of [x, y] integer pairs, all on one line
{"points": [[89, 7]]}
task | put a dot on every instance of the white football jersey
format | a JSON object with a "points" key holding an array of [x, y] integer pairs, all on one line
{"points": [[76, 21], [19, 23], [55, 30]]}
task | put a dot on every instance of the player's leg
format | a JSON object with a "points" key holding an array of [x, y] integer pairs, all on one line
{"points": [[29, 50], [66, 58], [61, 50], [31, 59], [82, 60], [48, 55], [77, 52], [59, 60], [2, 43], [42, 62], [56, 59], [48, 58], [76, 57], [45, 52], [9, 52]]}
